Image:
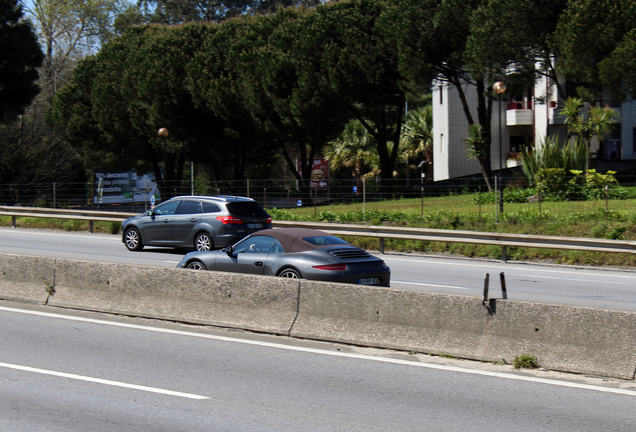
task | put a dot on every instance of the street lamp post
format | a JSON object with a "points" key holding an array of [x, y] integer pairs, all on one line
{"points": [[500, 87], [163, 133]]}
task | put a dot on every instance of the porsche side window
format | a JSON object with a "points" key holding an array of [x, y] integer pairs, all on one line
{"points": [[257, 244], [276, 248]]}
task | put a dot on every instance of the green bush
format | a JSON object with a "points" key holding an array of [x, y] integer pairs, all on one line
{"points": [[551, 181]]}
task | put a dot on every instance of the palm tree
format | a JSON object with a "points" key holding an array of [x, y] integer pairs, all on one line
{"points": [[586, 124], [600, 122], [354, 149], [478, 149], [417, 136]]}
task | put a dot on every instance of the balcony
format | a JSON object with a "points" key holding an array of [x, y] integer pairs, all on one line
{"points": [[519, 114], [513, 160]]}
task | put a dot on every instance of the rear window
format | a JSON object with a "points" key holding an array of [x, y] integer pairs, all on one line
{"points": [[324, 240], [210, 208], [246, 209]]}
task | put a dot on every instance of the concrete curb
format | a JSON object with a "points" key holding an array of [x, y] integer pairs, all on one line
{"points": [[219, 299], [566, 338], [25, 278]]}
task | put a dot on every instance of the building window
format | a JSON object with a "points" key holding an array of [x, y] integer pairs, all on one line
{"points": [[441, 143]]}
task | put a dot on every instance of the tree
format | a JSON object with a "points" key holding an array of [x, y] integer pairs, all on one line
{"points": [[618, 71], [31, 153], [585, 124], [417, 136], [148, 79], [431, 37], [478, 148], [588, 33], [361, 67], [171, 12], [21, 56], [70, 30], [305, 114], [513, 38], [353, 149]]}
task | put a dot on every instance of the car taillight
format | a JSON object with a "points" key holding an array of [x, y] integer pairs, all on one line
{"points": [[229, 220], [269, 220], [333, 267]]}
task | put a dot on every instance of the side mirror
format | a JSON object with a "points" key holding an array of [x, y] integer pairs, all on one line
{"points": [[147, 213], [228, 250]]}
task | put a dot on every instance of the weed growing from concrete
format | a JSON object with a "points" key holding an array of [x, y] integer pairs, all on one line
{"points": [[526, 361]]}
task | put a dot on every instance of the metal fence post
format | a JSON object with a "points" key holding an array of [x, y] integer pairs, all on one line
{"points": [[486, 281]]}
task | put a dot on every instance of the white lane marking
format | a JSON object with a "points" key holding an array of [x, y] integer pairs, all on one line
{"points": [[98, 236], [570, 279], [101, 381], [332, 353], [431, 285], [608, 273]]}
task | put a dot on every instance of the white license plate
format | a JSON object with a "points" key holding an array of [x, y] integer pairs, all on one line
{"points": [[369, 281], [254, 226]]}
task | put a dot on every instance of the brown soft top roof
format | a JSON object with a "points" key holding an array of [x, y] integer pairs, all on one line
{"points": [[292, 238]]}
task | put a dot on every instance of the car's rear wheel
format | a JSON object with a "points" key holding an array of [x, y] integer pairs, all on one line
{"points": [[196, 265], [132, 240], [203, 242], [290, 274]]}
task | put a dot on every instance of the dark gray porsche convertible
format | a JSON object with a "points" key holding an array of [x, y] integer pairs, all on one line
{"points": [[298, 253]]}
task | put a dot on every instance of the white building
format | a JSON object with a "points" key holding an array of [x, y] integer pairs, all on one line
{"points": [[526, 120]]}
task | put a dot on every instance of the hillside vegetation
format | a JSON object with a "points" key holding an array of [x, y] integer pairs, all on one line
{"points": [[613, 219]]}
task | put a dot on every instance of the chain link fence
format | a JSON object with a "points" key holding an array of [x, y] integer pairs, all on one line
{"points": [[287, 193]]}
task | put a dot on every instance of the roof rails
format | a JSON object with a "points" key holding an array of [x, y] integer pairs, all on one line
{"points": [[215, 198]]}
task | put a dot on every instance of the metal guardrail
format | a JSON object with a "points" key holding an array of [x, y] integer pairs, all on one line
{"points": [[41, 212], [474, 237], [380, 232]]}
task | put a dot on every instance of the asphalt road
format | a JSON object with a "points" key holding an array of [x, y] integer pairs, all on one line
{"points": [[603, 288], [78, 371]]}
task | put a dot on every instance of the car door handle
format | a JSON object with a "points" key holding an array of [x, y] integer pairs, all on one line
{"points": [[193, 220], [258, 264], [166, 220]]}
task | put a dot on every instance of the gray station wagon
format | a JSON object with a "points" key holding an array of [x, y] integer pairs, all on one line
{"points": [[195, 222]]}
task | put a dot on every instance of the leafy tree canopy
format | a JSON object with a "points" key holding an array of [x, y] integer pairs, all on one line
{"points": [[20, 56], [588, 33]]}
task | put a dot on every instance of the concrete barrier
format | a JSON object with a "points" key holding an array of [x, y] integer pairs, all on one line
{"points": [[219, 299], [25, 278], [566, 338]]}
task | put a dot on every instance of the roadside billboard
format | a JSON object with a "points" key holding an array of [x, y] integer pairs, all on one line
{"points": [[319, 173], [126, 187]]}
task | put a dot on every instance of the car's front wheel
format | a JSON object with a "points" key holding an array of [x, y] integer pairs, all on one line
{"points": [[196, 265], [132, 240], [203, 242], [290, 274]]}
